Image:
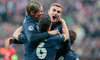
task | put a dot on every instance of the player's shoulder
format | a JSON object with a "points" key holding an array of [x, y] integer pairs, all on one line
{"points": [[29, 26], [57, 36], [73, 54]]}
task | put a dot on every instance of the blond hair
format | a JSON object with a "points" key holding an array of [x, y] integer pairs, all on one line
{"points": [[32, 6], [57, 4]]}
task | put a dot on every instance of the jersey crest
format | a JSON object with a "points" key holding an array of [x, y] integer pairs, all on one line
{"points": [[30, 28]]}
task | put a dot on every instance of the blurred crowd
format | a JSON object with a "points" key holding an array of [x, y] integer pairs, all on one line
{"points": [[83, 16]]}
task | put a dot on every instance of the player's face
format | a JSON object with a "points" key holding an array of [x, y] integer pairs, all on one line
{"points": [[55, 12], [39, 14]]}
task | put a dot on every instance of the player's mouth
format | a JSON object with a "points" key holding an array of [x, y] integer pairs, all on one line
{"points": [[54, 17]]}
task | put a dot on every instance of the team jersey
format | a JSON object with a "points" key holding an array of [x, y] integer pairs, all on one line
{"points": [[63, 50], [31, 35], [65, 47], [70, 55], [47, 49], [33, 26]]}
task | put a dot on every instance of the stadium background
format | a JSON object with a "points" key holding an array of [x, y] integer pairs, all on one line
{"points": [[83, 16]]}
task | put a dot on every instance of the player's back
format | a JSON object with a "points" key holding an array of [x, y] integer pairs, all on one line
{"points": [[71, 55], [46, 50]]}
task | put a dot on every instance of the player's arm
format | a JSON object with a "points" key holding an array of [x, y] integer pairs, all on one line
{"points": [[64, 29], [33, 36], [19, 37], [17, 33], [14, 39]]}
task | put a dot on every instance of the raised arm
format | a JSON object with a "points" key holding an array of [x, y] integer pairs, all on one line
{"points": [[64, 29]]}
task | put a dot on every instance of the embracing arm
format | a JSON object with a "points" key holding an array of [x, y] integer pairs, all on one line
{"points": [[64, 29], [33, 36], [15, 39], [38, 37], [17, 33]]}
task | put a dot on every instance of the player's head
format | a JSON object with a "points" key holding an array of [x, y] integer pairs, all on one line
{"points": [[44, 24], [72, 35], [34, 9], [55, 11]]}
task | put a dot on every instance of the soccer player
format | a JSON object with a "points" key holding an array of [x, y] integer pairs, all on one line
{"points": [[70, 54], [30, 28], [55, 13], [46, 50]]}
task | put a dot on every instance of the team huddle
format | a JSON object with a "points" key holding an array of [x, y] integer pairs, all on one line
{"points": [[45, 37]]}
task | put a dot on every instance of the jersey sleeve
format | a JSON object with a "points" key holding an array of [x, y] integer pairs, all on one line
{"points": [[33, 35], [17, 42], [22, 37], [60, 38], [71, 55]]}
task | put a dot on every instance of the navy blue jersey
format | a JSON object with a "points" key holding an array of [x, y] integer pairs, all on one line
{"points": [[30, 35], [46, 50], [31, 30], [65, 53], [70, 55], [35, 38], [63, 50], [58, 25]]}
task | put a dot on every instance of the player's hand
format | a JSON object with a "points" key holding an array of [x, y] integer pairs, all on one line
{"points": [[10, 40], [53, 32], [59, 19]]}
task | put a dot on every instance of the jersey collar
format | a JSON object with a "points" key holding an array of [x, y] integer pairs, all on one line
{"points": [[31, 18]]}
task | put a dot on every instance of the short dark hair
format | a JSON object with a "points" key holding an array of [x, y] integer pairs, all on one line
{"points": [[72, 35], [44, 23]]}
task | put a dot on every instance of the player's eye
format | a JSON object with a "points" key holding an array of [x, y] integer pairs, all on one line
{"points": [[58, 11], [54, 10]]}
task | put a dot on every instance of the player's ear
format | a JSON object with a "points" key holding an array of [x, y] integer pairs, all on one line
{"points": [[72, 43], [49, 28]]}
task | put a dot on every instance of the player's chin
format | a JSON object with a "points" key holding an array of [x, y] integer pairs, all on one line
{"points": [[54, 21], [40, 17]]}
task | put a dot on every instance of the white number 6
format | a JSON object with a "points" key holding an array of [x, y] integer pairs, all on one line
{"points": [[41, 49]]}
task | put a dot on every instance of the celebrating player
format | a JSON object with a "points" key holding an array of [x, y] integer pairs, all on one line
{"points": [[46, 50], [55, 13], [30, 28], [70, 54]]}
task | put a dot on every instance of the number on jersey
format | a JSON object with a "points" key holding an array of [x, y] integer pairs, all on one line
{"points": [[40, 51]]}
